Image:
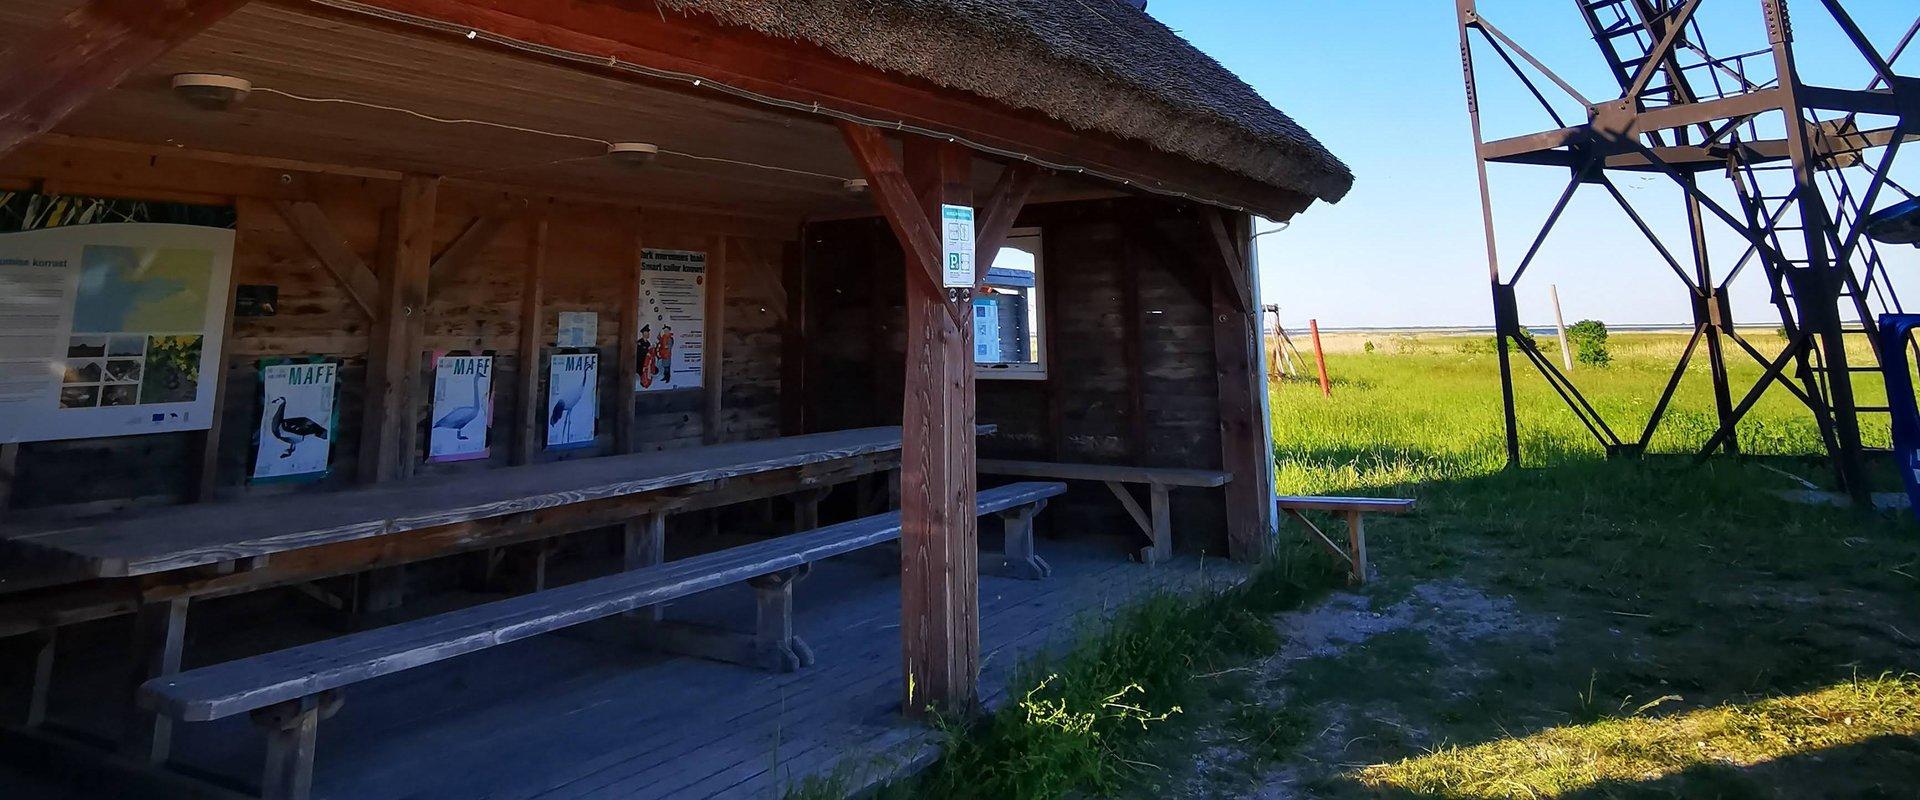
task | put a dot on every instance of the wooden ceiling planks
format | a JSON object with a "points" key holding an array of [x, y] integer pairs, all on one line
{"points": [[288, 50]]}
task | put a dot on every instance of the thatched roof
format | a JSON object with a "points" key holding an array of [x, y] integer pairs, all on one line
{"points": [[1098, 65]]}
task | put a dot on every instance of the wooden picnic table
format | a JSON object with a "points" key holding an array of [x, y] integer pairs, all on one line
{"points": [[252, 531]]}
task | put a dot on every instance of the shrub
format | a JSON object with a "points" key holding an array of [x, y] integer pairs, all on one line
{"points": [[1368, 347], [1588, 338]]}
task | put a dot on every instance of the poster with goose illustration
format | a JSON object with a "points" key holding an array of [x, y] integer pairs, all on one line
{"points": [[462, 408], [573, 399], [297, 420]]}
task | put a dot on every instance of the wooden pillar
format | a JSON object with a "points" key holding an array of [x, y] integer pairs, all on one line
{"points": [[939, 562], [793, 342], [529, 427], [939, 559], [628, 351], [1243, 454], [389, 435]]}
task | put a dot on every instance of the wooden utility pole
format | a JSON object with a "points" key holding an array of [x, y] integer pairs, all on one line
{"points": [[1560, 324]]}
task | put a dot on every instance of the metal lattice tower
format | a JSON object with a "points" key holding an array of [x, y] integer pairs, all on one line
{"points": [[1807, 165]]}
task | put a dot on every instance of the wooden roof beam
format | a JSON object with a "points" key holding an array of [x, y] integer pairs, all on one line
{"points": [[1002, 208], [310, 223], [90, 50]]}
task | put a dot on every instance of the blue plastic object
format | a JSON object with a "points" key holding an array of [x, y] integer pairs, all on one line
{"points": [[1896, 224], [1894, 364]]}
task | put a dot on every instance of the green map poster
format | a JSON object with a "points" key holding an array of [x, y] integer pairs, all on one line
{"points": [[110, 329]]}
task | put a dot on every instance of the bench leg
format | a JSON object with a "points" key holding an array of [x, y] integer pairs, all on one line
{"points": [[1357, 547], [644, 542], [1162, 534], [775, 646], [806, 508], [1021, 560], [160, 636], [293, 730]]}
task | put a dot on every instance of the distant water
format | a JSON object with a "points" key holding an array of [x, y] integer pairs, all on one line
{"points": [[1538, 330]]}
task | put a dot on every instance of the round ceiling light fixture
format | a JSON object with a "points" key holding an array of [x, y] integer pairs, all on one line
{"points": [[855, 186], [638, 154], [210, 91]]}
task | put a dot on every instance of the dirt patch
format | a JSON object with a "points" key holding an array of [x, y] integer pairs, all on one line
{"points": [[1448, 616]]}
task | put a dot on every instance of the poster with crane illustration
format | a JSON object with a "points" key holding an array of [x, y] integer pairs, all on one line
{"points": [[673, 320], [462, 408], [297, 421], [573, 399]]}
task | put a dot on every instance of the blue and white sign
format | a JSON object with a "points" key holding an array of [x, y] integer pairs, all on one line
{"points": [[956, 247]]}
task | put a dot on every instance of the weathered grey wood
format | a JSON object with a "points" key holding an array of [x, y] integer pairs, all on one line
{"points": [[188, 536], [1160, 506], [806, 508], [644, 544], [1372, 505], [233, 687], [1127, 501], [1166, 476], [1357, 545], [293, 729], [1019, 557], [159, 639], [775, 645]]}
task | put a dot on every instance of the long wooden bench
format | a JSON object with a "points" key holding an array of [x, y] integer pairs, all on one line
{"points": [[1155, 521], [290, 690], [1355, 510]]}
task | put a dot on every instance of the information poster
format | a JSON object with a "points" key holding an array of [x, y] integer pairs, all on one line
{"points": [[673, 320], [573, 399], [108, 329], [295, 437], [956, 247], [986, 331], [578, 329], [462, 408]]}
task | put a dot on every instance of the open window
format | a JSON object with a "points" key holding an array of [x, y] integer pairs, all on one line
{"points": [[1008, 315]]}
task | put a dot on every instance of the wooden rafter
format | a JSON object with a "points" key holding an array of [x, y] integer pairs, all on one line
{"points": [[899, 205], [310, 223], [997, 216], [469, 243], [53, 73], [1232, 258]]}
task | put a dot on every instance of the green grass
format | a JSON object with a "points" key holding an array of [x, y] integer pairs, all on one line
{"points": [[1707, 637]]}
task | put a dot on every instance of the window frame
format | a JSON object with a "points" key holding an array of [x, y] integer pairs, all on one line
{"points": [[1037, 369]]}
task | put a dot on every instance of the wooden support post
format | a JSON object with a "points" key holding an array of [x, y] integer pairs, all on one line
{"points": [[88, 51], [9, 469], [529, 427], [644, 542], [713, 358], [793, 341], [1243, 453], [806, 507], [628, 352], [159, 639], [208, 442], [1320, 358], [939, 580], [389, 434]]}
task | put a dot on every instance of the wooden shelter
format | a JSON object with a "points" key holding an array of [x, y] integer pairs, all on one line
{"points": [[408, 181]]}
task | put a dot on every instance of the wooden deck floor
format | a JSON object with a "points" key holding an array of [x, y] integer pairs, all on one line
{"points": [[581, 714]]}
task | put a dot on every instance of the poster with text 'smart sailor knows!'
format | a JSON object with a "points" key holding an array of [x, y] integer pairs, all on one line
{"points": [[673, 320], [110, 329]]}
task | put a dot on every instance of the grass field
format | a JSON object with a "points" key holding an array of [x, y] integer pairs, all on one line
{"points": [[1580, 628]]}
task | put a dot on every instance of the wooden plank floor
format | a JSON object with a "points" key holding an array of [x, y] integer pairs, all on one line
{"points": [[581, 714]]}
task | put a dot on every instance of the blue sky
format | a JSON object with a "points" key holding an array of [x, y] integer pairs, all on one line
{"points": [[1379, 82]]}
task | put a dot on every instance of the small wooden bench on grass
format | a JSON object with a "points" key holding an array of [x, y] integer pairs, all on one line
{"points": [[289, 691], [1155, 522], [1355, 509]]}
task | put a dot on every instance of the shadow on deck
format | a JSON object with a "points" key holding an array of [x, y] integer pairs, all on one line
{"points": [[583, 714]]}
